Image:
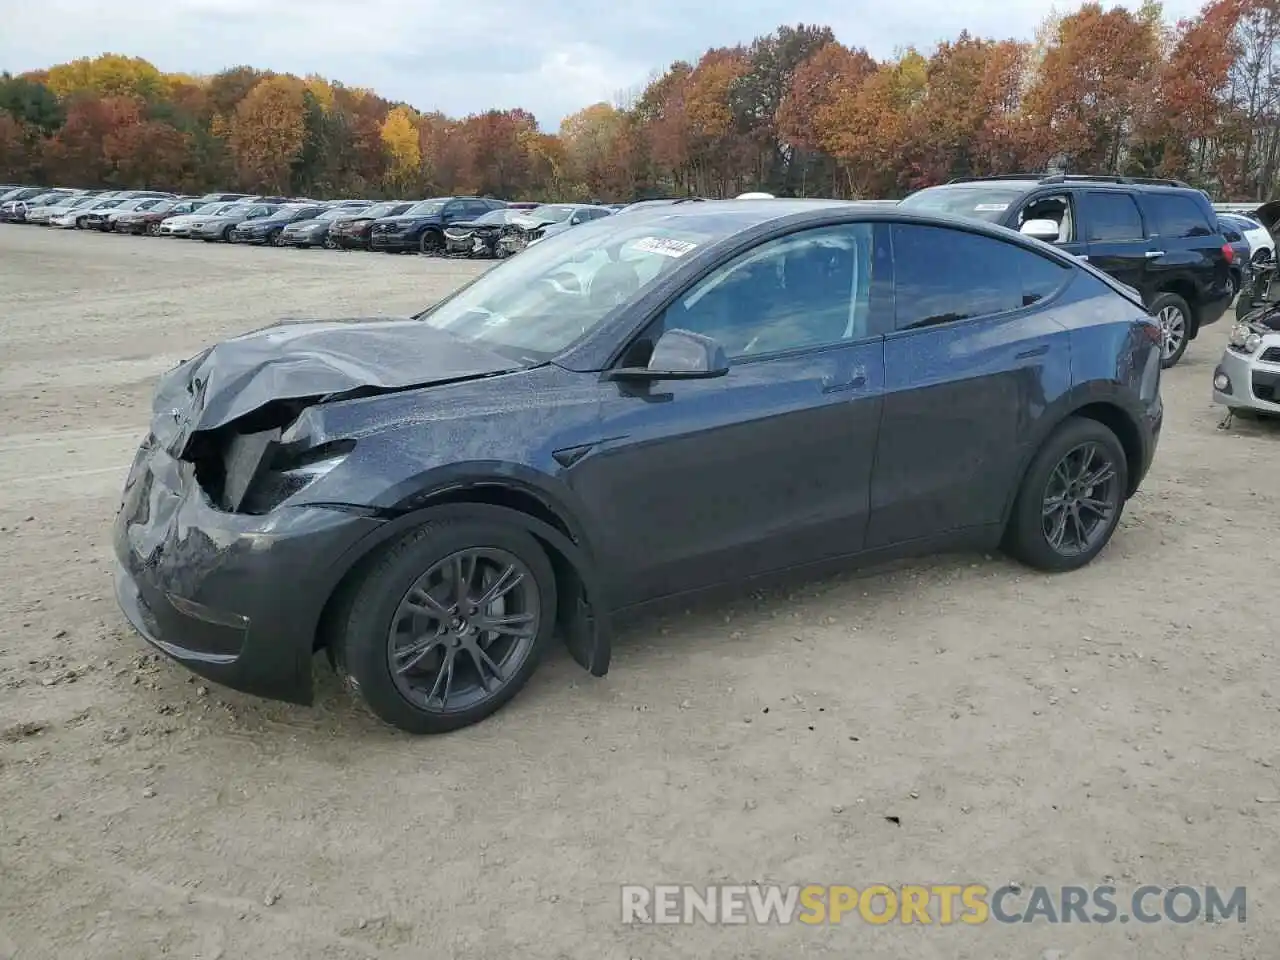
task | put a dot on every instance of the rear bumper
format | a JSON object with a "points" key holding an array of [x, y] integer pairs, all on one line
{"points": [[1211, 311]]}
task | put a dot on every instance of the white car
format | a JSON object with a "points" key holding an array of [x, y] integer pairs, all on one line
{"points": [[1255, 234], [73, 219], [183, 225], [1248, 375]]}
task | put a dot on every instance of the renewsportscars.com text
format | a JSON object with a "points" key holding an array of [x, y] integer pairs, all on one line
{"points": [[939, 904]]}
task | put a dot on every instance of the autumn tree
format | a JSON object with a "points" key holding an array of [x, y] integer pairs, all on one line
{"points": [[15, 162], [1088, 91], [400, 138], [110, 75], [868, 129], [267, 133], [31, 102], [826, 73]]}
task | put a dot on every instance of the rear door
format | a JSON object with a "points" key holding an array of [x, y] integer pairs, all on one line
{"points": [[1116, 237], [974, 355], [1186, 247]]}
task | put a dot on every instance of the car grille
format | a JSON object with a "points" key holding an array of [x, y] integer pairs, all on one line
{"points": [[459, 234], [1270, 355]]}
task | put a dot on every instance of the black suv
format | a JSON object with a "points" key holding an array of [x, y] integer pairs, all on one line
{"points": [[1160, 237], [421, 227]]}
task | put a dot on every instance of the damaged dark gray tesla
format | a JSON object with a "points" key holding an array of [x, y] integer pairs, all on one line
{"points": [[642, 407]]}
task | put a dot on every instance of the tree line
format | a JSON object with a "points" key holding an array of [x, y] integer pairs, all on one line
{"points": [[795, 112]]}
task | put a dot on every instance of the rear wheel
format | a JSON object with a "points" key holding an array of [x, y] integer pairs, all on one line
{"points": [[226, 235], [1174, 317], [330, 243], [276, 238], [1071, 498], [448, 624]]}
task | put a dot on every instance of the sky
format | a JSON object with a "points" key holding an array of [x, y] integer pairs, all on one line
{"points": [[551, 57]]}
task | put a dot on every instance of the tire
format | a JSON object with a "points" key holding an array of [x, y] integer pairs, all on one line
{"points": [[80, 224], [431, 243], [1233, 284], [330, 244], [226, 235], [1175, 321], [153, 229], [273, 238], [1028, 537], [364, 648]]}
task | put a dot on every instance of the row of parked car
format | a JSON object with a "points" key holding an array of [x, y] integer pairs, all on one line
{"points": [[454, 226]]}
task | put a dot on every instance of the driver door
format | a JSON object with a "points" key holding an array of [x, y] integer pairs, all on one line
{"points": [[768, 466]]}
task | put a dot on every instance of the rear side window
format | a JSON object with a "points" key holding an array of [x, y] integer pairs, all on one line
{"points": [[1174, 216], [941, 275], [1110, 216]]}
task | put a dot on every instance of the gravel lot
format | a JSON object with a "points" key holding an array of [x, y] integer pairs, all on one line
{"points": [[1115, 723]]}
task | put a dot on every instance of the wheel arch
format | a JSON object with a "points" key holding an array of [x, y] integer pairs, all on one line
{"points": [[1186, 289], [508, 501], [1109, 412]]}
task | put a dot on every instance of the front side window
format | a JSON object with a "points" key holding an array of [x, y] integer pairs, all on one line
{"points": [[943, 275], [807, 289]]}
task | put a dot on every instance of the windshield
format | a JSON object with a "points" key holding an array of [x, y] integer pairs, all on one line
{"points": [[164, 206], [425, 208], [135, 203], [551, 212], [214, 207], [107, 204], [66, 203], [378, 210], [338, 213], [980, 203], [557, 291]]}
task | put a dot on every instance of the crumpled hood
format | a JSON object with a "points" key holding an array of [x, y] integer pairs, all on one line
{"points": [[531, 223], [296, 360]]}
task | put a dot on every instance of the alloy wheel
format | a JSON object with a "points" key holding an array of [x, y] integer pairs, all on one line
{"points": [[463, 630], [330, 243], [1173, 327], [1080, 500]]}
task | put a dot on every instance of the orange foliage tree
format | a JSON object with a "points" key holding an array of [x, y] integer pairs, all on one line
{"points": [[1099, 89]]}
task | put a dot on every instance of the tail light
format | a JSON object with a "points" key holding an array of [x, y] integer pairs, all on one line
{"points": [[1228, 252]]}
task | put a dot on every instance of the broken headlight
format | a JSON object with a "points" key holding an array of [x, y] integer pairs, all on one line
{"points": [[289, 474]]}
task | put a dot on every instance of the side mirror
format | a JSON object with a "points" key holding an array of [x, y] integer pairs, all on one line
{"points": [[680, 355], [1046, 230]]}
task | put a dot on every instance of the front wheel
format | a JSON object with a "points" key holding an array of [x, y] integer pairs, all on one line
{"points": [[276, 238], [1071, 498], [330, 243], [431, 244], [1174, 317], [448, 624], [153, 229]]}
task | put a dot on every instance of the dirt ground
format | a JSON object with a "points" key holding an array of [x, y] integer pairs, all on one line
{"points": [[1118, 723]]}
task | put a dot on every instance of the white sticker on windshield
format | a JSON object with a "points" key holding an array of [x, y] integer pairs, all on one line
{"points": [[668, 248], [990, 207]]}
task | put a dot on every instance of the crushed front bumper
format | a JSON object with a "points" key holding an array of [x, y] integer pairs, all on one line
{"points": [[234, 598]]}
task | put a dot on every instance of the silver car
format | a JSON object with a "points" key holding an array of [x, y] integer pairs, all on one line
{"points": [[1248, 375]]}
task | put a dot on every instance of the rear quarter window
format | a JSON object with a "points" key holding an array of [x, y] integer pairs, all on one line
{"points": [[1174, 216], [943, 275]]}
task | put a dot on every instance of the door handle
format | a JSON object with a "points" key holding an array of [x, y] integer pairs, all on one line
{"points": [[1039, 351], [1152, 254], [832, 385]]}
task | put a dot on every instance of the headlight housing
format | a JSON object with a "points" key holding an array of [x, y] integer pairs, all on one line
{"points": [[289, 475]]}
